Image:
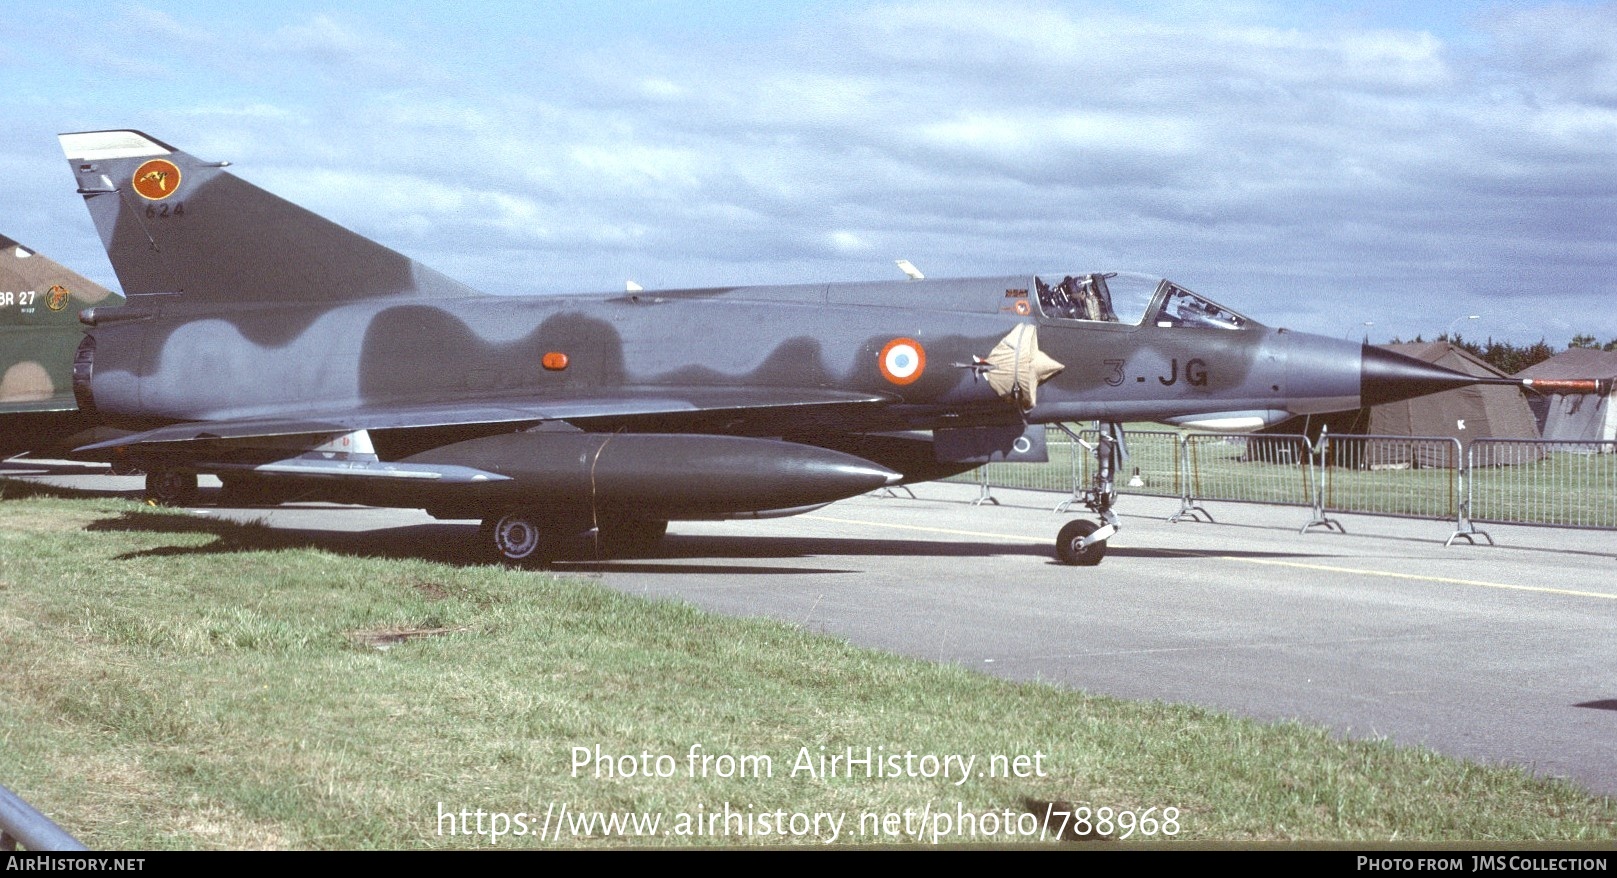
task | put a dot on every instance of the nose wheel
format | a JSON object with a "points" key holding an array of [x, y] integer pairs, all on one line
{"points": [[1071, 547]]}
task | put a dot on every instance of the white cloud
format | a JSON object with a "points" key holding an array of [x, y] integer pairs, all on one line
{"points": [[663, 89], [1558, 51], [344, 52], [644, 169], [1385, 169], [154, 26], [848, 242]]}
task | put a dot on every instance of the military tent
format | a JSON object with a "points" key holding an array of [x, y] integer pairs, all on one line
{"points": [[1576, 417]]}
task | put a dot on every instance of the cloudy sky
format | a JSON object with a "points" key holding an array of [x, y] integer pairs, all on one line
{"points": [[1316, 165]]}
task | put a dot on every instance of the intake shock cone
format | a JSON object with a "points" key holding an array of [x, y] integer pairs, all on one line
{"points": [[1385, 376]]}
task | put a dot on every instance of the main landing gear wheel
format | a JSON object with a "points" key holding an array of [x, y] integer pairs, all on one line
{"points": [[1069, 546], [519, 539], [171, 488]]}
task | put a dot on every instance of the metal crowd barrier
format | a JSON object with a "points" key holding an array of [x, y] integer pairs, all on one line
{"points": [[21, 824], [1154, 464], [1523, 481], [1568, 484], [1392, 475], [1152, 467], [1403, 476], [1272, 469], [1059, 474]]}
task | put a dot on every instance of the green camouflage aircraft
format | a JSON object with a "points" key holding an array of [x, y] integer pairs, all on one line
{"points": [[40, 302], [283, 353]]}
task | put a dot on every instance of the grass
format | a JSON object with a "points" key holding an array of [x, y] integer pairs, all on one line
{"points": [[1571, 489], [174, 681]]}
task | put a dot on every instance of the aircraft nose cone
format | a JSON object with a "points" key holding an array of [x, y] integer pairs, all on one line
{"points": [[1385, 377]]}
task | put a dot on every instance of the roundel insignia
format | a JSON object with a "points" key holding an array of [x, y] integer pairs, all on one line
{"points": [[157, 179], [1022, 308], [902, 361], [56, 297]]}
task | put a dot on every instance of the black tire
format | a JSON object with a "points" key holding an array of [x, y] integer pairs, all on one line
{"points": [[630, 537], [1067, 544], [519, 539], [171, 488]]}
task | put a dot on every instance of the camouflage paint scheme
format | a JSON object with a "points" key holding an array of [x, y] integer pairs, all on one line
{"points": [[40, 301], [262, 341]]}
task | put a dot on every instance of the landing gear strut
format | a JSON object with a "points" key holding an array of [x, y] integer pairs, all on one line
{"points": [[1082, 542]]}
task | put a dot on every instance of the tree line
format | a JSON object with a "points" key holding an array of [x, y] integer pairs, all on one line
{"points": [[1509, 358]]}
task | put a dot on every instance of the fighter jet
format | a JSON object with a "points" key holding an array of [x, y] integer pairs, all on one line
{"points": [[275, 349], [40, 301]]}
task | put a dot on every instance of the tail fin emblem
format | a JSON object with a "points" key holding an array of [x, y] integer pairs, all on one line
{"points": [[157, 179], [56, 297]]}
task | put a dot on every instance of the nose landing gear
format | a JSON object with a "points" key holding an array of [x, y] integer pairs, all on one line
{"points": [[1081, 542]]}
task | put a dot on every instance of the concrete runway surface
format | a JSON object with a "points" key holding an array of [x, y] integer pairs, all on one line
{"points": [[1502, 654]]}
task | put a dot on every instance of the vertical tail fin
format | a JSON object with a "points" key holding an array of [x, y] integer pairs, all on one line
{"points": [[172, 223]]}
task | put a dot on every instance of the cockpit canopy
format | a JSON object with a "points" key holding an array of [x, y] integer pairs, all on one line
{"points": [[1126, 298]]}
